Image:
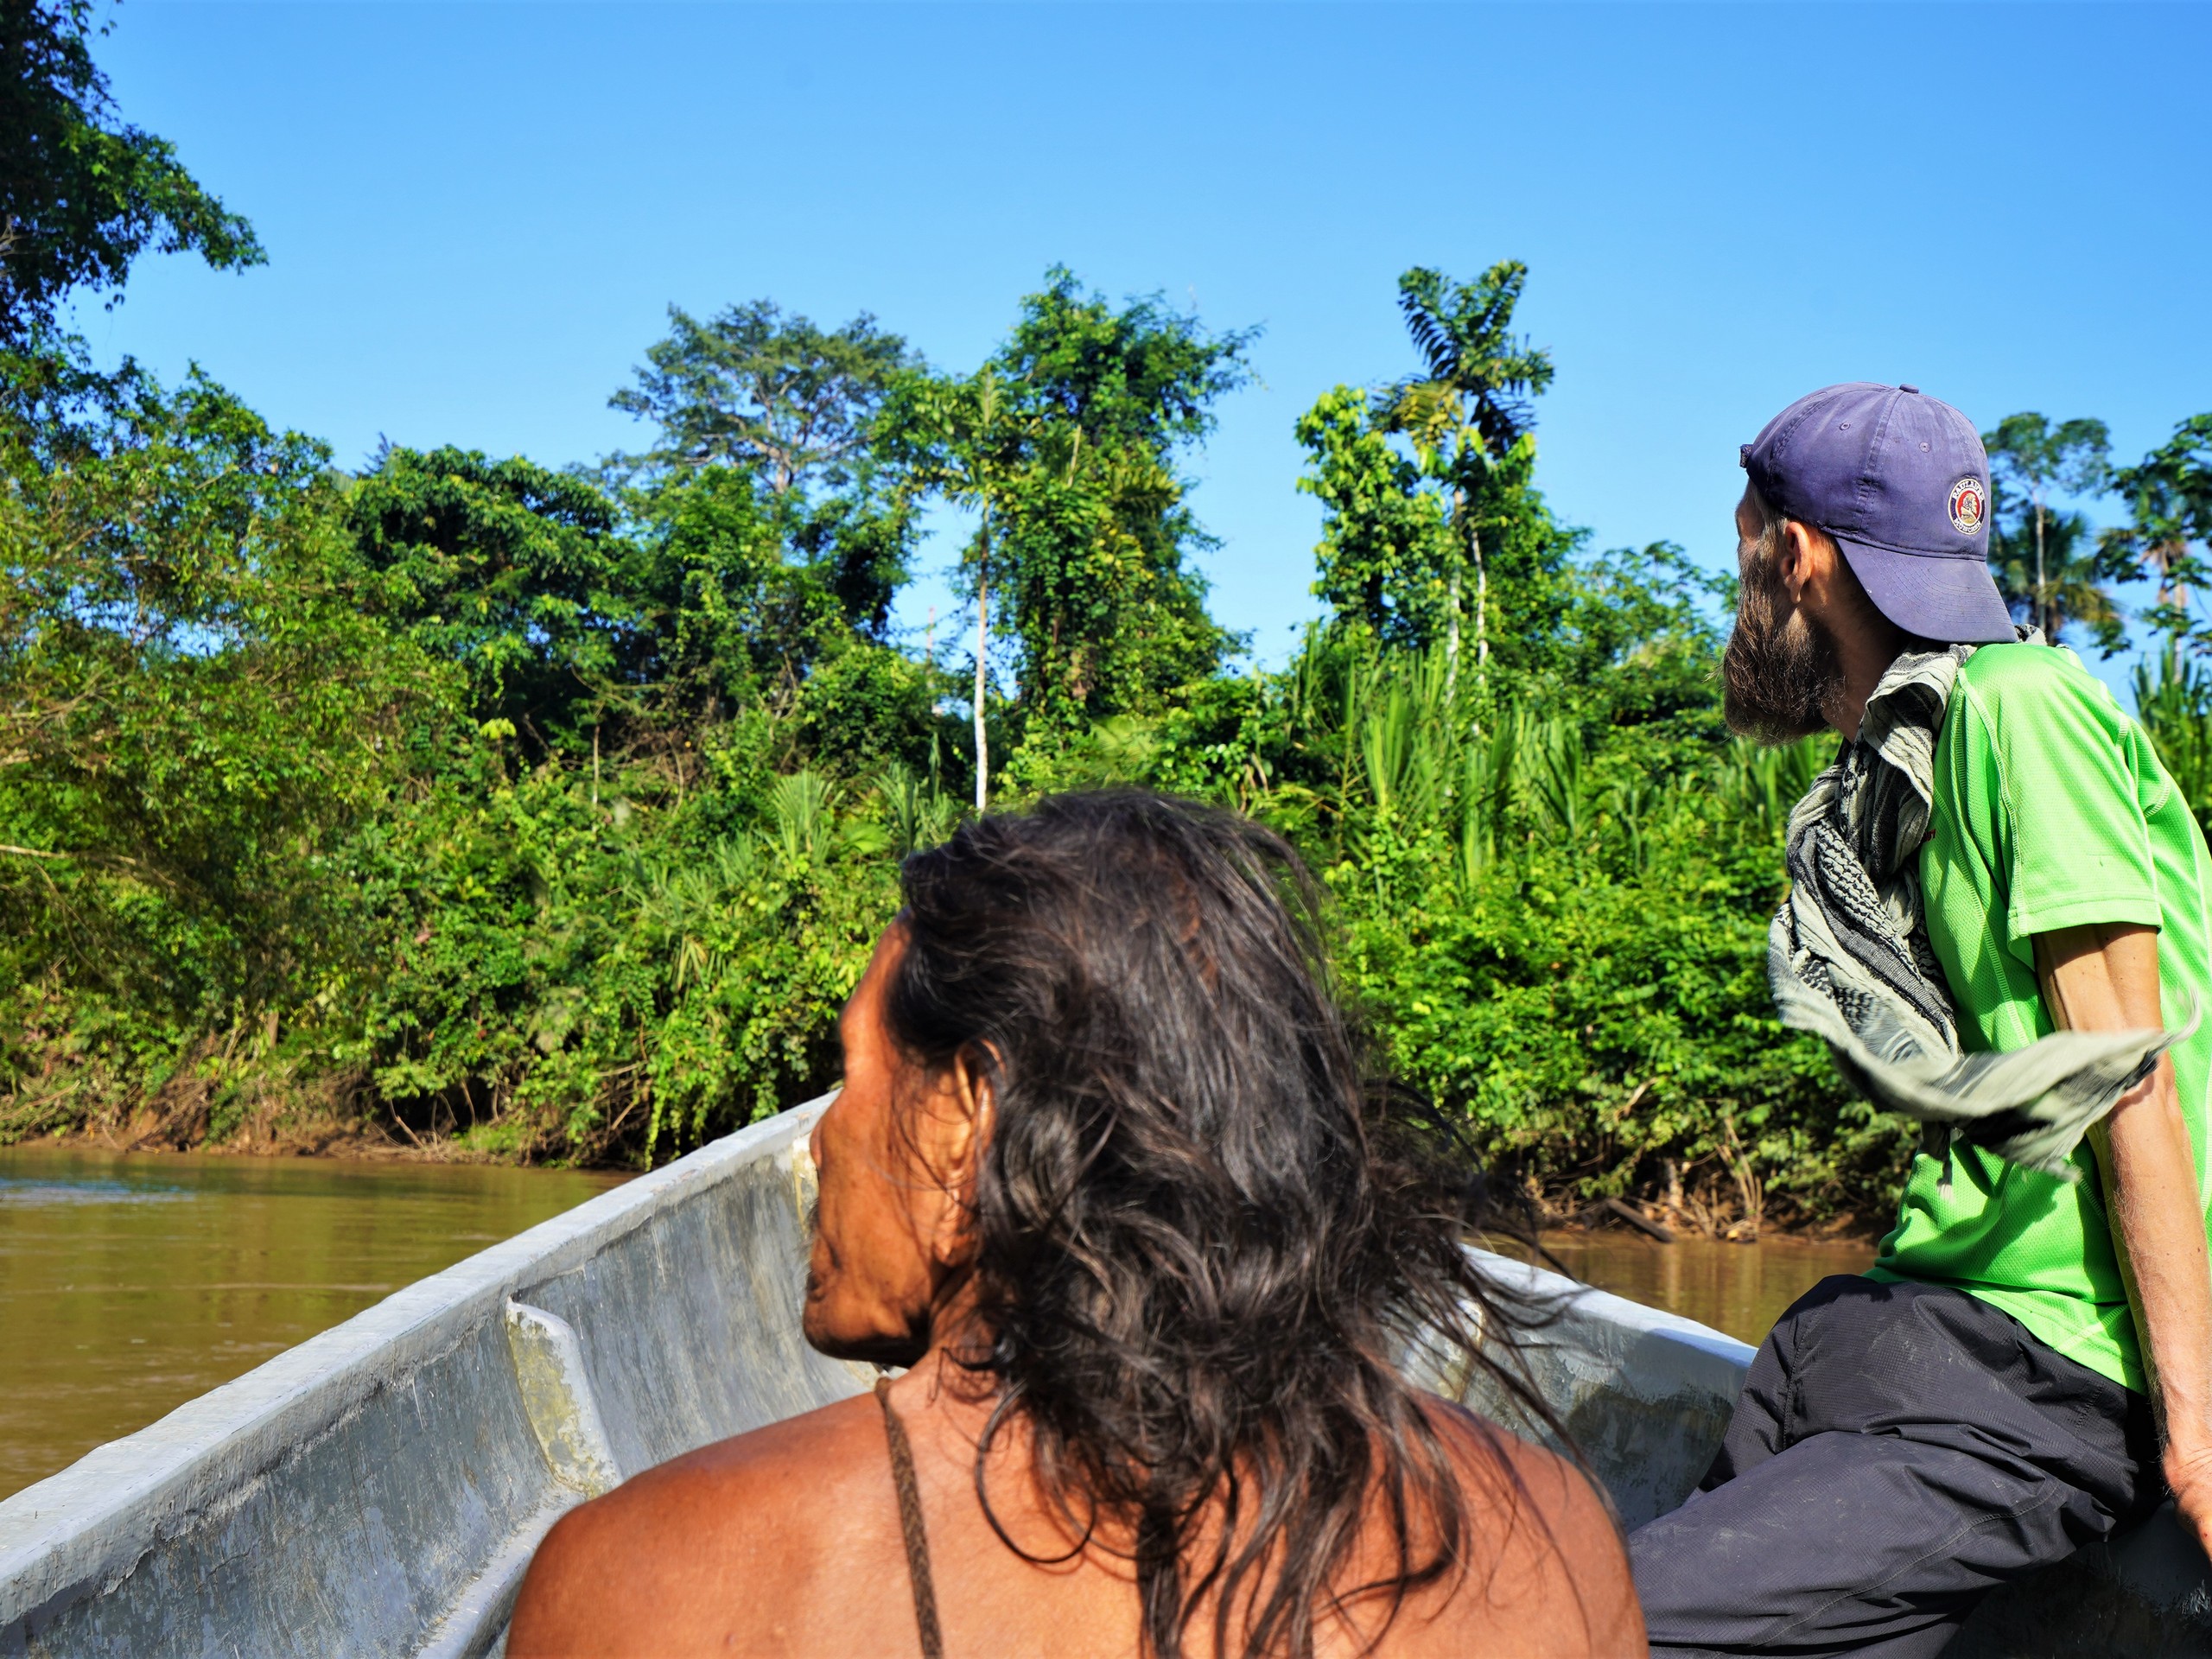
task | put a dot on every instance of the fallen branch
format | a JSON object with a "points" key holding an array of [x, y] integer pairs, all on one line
{"points": [[1637, 1219]]}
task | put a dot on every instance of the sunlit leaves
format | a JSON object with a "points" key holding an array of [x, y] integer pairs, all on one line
{"points": [[84, 194]]}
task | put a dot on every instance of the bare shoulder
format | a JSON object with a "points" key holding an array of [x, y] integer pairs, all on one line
{"points": [[655, 1567], [1549, 1573]]}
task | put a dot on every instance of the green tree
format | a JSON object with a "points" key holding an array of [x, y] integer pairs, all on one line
{"points": [[1634, 651], [962, 439], [755, 387], [722, 615], [509, 569], [196, 718], [1140, 375], [2168, 497], [1109, 615], [2046, 568], [762, 401], [1064, 445], [725, 600], [1099, 590], [1386, 554], [1468, 414], [82, 193]]}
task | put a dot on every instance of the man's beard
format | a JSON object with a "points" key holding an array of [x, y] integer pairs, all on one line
{"points": [[1780, 669]]}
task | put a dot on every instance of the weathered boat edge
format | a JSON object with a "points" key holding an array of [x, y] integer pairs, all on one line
{"points": [[1644, 1395], [81, 1532]]}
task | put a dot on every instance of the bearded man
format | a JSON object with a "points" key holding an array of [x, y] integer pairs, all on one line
{"points": [[1998, 921]]}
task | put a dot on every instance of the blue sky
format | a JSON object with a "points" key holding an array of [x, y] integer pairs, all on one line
{"points": [[476, 215]]}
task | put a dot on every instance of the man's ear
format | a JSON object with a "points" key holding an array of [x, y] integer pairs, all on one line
{"points": [[1802, 558], [969, 1109]]}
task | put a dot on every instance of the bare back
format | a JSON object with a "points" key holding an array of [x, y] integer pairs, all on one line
{"points": [[787, 1541]]}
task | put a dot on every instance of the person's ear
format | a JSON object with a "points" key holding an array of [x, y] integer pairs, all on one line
{"points": [[1803, 559], [969, 1109]]}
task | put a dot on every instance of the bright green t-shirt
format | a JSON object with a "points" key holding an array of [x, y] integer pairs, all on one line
{"points": [[2051, 811]]}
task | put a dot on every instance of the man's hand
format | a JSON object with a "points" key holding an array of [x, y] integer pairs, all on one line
{"points": [[2106, 978]]}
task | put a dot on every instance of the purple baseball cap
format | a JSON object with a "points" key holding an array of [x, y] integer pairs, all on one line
{"points": [[1900, 480]]}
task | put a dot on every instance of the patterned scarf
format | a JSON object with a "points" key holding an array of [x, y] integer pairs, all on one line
{"points": [[1849, 960]]}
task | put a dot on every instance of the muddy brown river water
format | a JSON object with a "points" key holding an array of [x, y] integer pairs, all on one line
{"points": [[1738, 1288], [130, 1283]]}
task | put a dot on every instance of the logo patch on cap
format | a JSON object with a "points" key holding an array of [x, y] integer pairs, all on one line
{"points": [[1968, 503]]}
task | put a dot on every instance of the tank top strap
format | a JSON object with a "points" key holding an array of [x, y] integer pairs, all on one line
{"points": [[909, 1526]]}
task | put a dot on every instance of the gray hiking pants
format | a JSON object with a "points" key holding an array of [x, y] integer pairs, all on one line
{"points": [[1898, 1451]]}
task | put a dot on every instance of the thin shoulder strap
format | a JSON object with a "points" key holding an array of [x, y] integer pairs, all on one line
{"points": [[909, 1526]]}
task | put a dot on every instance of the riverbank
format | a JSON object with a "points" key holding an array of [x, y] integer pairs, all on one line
{"points": [[223, 1104], [381, 1139], [356, 1137]]}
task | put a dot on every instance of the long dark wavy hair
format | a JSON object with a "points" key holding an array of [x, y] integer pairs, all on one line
{"points": [[1205, 1237]]}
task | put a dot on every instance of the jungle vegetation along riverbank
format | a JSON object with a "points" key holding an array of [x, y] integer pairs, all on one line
{"points": [[553, 810]]}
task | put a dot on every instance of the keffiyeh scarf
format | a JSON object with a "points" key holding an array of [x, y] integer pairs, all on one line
{"points": [[1849, 960]]}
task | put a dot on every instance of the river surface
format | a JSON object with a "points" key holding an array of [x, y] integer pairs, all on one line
{"points": [[130, 1282], [1738, 1288]]}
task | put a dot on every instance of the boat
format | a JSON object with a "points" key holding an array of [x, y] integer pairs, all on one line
{"points": [[380, 1488]]}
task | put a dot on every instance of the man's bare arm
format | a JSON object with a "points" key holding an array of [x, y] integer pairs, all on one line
{"points": [[2106, 978]]}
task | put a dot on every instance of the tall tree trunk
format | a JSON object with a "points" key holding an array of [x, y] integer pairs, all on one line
{"points": [[983, 646], [1452, 592], [1482, 615], [1452, 635], [2042, 600]]}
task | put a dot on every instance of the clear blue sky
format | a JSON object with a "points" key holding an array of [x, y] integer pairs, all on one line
{"points": [[476, 215]]}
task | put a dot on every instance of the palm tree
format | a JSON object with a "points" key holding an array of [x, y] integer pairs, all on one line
{"points": [[1467, 409], [2168, 497], [2048, 565]]}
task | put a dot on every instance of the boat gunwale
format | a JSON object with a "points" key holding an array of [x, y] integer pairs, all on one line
{"points": [[1572, 1297]]}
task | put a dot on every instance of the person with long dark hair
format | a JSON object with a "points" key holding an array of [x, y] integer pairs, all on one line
{"points": [[1107, 1175]]}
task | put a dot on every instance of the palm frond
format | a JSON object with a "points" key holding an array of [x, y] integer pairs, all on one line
{"points": [[1421, 300], [802, 805], [1477, 375]]}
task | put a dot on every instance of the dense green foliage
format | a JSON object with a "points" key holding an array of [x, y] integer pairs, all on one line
{"points": [[556, 812]]}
